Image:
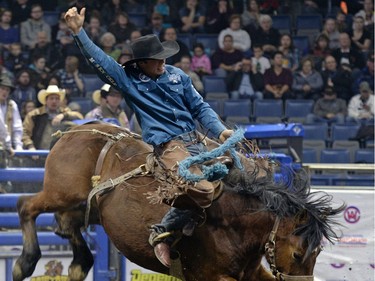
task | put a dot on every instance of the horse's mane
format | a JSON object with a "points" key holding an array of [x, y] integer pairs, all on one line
{"points": [[290, 197]]}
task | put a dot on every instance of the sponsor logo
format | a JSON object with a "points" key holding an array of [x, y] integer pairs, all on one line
{"points": [[143, 77], [137, 275], [352, 214], [174, 78], [53, 272], [357, 240]]}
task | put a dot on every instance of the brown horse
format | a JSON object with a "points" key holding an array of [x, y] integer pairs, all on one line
{"points": [[253, 214]]}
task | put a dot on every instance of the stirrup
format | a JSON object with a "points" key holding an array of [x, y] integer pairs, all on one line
{"points": [[156, 238]]}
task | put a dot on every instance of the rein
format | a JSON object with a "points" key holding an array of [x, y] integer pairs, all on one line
{"points": [[271, 258]]}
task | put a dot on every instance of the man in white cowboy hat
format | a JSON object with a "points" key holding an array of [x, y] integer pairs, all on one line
{"points": [[10, 119], [109, 101], [40, 123], [166, 105]]}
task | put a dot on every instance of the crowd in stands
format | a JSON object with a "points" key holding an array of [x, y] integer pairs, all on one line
{"points": [[256, 59]]}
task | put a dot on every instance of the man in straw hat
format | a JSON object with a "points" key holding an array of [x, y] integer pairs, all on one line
{"points": [[166, 104], [10, 119], [40, 123], [109, 105]]}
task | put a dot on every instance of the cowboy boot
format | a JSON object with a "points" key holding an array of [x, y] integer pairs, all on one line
{"points": [[162, 236]]}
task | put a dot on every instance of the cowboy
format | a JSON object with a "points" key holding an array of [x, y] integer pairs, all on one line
{"points": [[10, 118], [166, 105], [40, 123], [108, 100]]}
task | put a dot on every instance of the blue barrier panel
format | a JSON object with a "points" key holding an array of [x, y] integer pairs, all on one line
{"points": [[12, 219], [9, 200], [22, 174]]}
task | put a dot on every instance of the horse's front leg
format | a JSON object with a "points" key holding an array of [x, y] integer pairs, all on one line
{"points": [[259, 274], [29, 207]]}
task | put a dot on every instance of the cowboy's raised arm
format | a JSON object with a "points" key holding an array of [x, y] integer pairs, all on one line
{"points": [[105, 66]]}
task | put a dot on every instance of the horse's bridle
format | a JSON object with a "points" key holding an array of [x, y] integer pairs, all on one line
{"points": [[271, 258]]}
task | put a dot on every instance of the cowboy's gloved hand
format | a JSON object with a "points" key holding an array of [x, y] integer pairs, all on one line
{"points": [[225, 134], [75, 20]]}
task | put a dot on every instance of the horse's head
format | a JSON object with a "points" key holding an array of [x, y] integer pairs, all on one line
{"points": [[289, 254]]}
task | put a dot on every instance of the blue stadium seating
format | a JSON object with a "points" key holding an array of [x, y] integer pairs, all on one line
{"points": [[187, 39], [92, 82], [298, 109], [236, 109], [317, 131], [215, 87], [344, 131], [268, 108], [139, 19], [309, 21], [216, 105], [330, 155], [301, 43], [209, 41], [364, 155], [309, 155], [283, 23], [51, 17]]}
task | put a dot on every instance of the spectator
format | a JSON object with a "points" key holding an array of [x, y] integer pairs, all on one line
{"points": [[218, 17], [41, 122], [48, 50], [24, 89], [307, 83], [110, 10], [121, 28], [291, 54], [193, 17], [226, 59], [10, 119], [241, 39], [328, 109], [124, 57], [259, 62], [185, 66], [31, 27], [340, 78], [200, 62], [15, 60], [267, 36], [170, 34], [320, 50], [39, 71], [244, 84], [109, 101], [156, 25], [330, 30], [361, 106], [250, 17], [108, 44], [8, 33], [347, 54], [94, 28], [278, 80], [341, 22], [64, 41], [21, 11], [26, 107], [161, 7], [367, 13], [366, 74], [71, 79], [360, 37]]}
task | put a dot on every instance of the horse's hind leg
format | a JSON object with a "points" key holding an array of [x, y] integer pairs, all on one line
{"points": [[29, 207], [69, 226]]}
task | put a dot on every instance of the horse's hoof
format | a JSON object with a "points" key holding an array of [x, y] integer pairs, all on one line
{"points": [[76, 273]]}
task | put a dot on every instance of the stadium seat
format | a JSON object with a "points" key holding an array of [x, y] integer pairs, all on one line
{"points": [[209, 41], [187, 39], [268, 111], [139, 19], [354, 180], [297, 110], [283, 23], [237, 111], [302, 43], [330, 155], [309, 155], [92, 82], [309, 21], [344, 131], [352, 146], [317, 145], [51, 17], [364, 155], [215, 87], [317, 131], [216, 105], [85, 104]]}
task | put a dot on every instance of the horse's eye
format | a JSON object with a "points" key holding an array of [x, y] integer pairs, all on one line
{"points": [[297, 256]]}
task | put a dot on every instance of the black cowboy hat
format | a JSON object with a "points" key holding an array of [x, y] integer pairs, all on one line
{"points": [[150, 47]]}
